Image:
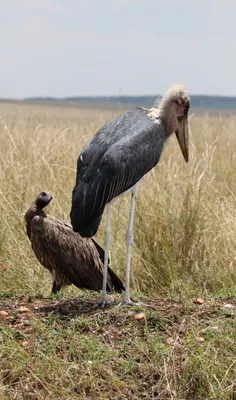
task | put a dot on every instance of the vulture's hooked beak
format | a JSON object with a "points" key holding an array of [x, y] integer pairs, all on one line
{"points": [[182, 133]]}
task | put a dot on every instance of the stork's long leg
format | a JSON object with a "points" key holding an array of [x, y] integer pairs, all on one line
{"points": [[129, 242], [107, 241]]}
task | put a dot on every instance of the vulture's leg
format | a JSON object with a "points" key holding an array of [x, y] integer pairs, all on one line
{"points": [[55, 287], [56, 284], [107, 242], [129, 242]]}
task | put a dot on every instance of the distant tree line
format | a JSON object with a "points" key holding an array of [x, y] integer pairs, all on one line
{"points": [[197, 101]]}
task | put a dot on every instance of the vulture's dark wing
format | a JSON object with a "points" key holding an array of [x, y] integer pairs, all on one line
{"points": [[116, 158], [118, 285], [56, 244], [100, 251]]}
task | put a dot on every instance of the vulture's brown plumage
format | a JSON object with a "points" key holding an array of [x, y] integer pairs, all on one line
{"points": [[69, 257]]}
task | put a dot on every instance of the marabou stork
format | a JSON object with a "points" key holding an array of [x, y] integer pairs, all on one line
{"points": [[69, 257], [117, 157]]}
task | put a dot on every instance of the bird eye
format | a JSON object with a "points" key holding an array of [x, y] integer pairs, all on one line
{"points": [[44, 194]]}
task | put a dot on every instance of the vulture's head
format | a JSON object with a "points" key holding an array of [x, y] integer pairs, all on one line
{"points": [[43, 199]]}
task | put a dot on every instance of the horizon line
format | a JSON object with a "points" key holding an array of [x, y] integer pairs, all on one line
{"points": [[68, 97]]}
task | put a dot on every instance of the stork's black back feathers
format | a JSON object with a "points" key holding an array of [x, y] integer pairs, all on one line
{"points": [[115, 158]]}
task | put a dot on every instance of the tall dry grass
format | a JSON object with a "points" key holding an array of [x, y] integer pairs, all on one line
{"points": [[185, 223]]}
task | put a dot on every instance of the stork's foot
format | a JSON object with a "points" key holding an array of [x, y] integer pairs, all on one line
{"points": [[104, 302], [127, 301]]}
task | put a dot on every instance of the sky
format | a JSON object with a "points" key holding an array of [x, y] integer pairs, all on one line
{"points": [[116, 47]]}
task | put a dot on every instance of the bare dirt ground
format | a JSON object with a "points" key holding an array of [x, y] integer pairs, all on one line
{"points": [[161, 350], [16, 311]]}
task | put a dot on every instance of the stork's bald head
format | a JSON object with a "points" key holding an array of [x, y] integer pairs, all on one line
{"points": [[173, 110], [175, 94]]}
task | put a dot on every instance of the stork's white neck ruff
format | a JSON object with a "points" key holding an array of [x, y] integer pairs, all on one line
{"points": [[154, 114]]}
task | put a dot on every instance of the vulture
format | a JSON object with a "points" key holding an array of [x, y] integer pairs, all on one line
{"points": [[70, 258]]}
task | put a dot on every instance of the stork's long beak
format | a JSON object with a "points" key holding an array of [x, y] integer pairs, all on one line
{"points": [[182, 134]]}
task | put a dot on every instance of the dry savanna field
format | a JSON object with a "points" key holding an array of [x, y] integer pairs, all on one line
{"points": [[64, 347]]}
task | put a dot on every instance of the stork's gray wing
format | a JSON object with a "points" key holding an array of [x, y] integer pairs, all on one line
{"points": [[57, 245], [116, 158]]}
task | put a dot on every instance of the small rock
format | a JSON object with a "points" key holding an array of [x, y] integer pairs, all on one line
{"points": [[200, 339], [214, 327], [3, 313], [198, 301], [23, 309], [169, 340], [25, 344], [229, 306], [139, 316]]}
